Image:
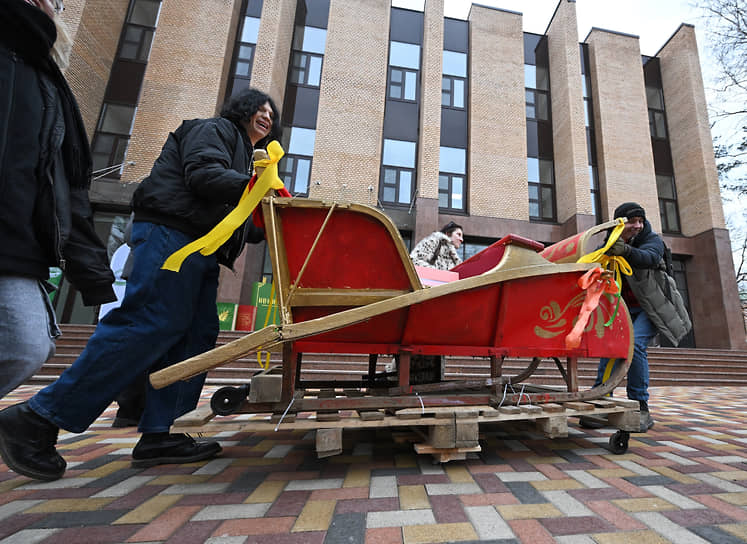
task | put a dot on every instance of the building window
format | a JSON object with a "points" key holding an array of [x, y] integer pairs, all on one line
{"points": [[541, 189], [403, 84], [452, 92], [111, 138], [306, 69], [596, 204], [668, 209], [538, 111], [244, 61], [451, 178], [656, 119], [404, 64], [537, 105], [398, 172], [295, 166]]}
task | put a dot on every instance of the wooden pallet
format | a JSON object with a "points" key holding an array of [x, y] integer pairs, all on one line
{"points": [[452, 431]]}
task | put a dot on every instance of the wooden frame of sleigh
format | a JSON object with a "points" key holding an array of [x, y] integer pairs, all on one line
{"points": [[345, 284]]}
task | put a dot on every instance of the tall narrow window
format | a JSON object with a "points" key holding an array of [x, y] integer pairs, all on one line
{"points": [[591, 149], [452, 176], [397, 179], [301, 102], [539, 129], [246, 42], [112, 136], [663, 167]]}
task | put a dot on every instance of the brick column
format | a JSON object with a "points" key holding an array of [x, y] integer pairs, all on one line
{"points": [[626, 164], [95, 26], [271, 56], [497, 131], [695, 174], [572, 194], [347, 150], [183, 78]]}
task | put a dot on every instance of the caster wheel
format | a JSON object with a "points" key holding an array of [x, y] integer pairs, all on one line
{"points": [[619, 442], [226, 400]]}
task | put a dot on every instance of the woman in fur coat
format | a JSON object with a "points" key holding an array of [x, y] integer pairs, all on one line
{"points": [[439, 249]]}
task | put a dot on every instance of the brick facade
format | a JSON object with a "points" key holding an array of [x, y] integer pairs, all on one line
{"points": [[626, 164], [190, 62], [347, 152], [569, 133], [497, 157]]}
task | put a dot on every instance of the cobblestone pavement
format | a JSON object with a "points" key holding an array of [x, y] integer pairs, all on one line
{"points": [[684, 482]]}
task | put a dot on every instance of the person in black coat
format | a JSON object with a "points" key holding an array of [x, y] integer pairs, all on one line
{"points": [[45, 172], [165, 316]]}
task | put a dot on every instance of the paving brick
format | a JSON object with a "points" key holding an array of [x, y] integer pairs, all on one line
{"points": [[399, 518], [443, 532], [347, 529], [384, 535], [488, 523], [531, 530], [255, 526], [669, 530], [315, 516]]}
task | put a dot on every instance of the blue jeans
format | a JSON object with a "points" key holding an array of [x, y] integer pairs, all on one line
{"points": [[165, 317], [643, 331], [27, 330]]}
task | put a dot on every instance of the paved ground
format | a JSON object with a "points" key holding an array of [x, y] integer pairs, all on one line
{"points": [[685, 481]]}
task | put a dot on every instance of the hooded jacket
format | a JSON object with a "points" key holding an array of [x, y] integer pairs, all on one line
{"points": [[654, 289]]}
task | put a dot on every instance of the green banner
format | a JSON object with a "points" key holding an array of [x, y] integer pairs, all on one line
{"points": [[226, 315], [261, 294], [55, 277]]}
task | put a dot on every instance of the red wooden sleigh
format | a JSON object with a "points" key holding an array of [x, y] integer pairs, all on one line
{"points": [[345, 284]]}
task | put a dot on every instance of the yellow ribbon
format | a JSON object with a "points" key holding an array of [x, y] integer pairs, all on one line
{"points": [[616, 263], [249, 200], [610, 262], [272, 308]]}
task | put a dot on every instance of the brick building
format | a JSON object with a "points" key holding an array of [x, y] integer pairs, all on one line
{"points": [[429, 118]]}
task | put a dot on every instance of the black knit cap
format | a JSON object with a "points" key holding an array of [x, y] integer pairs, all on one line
{"points": [[630, 209]]}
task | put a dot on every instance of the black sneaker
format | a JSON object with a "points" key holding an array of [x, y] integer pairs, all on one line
{"points": [[162, 448], [646, 421], [27, 444]]}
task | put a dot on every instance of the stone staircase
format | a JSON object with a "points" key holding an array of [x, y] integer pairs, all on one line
{"points": [[667, 366]]}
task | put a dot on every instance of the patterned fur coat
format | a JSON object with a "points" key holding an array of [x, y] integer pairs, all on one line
{"points": [[435, 251]]}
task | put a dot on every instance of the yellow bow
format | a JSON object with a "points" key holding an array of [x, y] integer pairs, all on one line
{"points": [[249, 200], [610, 262]]}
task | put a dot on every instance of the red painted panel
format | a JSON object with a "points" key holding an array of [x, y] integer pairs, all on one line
{"points": [[355, 250], [467, 319], [537, 314], [383, 329]]}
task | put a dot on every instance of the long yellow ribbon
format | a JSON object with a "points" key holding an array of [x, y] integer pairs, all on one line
{"points": [[249, 200], [616, 263], [271, 309]]}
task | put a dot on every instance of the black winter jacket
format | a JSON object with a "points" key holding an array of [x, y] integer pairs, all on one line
{"points": [[197, 180], [43, 220]]}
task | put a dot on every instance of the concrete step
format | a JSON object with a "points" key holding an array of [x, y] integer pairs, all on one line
{"points": [[667, 366]]}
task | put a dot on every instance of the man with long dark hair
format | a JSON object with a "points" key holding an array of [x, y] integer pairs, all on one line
{"points": [[165, 316]]}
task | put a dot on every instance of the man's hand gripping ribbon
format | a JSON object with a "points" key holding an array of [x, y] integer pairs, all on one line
{"points": [[598, 281]]}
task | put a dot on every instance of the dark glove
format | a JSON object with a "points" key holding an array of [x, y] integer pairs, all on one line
{"points": [[619, 248]]}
